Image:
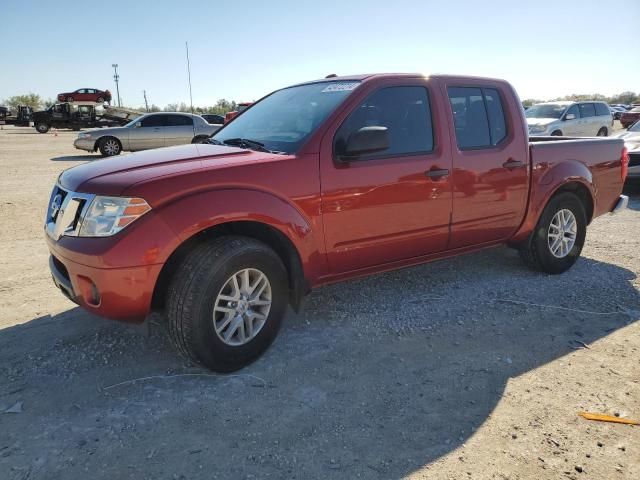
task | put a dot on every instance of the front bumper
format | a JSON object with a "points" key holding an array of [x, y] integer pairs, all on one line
{"points": [[87, 144], [117, 293], [621, 204]]}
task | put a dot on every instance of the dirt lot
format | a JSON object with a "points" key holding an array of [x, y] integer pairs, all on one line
{"points": [[431, 372]]}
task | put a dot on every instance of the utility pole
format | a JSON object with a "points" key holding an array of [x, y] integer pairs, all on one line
{"points": [[116, 77], [146, 104], [189, 73]]}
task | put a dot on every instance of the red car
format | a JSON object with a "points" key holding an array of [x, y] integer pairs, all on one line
{"points": [[86, 95], [629, 118], [314, 184]]}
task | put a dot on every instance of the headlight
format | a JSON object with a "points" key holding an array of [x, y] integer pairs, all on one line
{"points": [[108, 215], [84, 135], [537, 128]]}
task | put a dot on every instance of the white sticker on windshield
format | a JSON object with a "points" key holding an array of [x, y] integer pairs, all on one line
{"points": [[340, 87]]}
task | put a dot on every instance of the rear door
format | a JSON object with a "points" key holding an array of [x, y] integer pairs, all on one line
{"points": [[150, 133], [395, 204], [178, 129], [490, 155]]}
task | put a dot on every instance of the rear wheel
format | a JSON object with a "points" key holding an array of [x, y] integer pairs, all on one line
{"points": [[69, 99], [556, 133], [603, 132], [200, 139], [100, 100], [109, 146], [557, 241], [42, 127], [226, 302]]}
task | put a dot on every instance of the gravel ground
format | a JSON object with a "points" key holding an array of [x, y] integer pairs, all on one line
{"points": [[472, 367]]}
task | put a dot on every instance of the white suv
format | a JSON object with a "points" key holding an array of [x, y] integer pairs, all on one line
{"points": [[571, 119]]}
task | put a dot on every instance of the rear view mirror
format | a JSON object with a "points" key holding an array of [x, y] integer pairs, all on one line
{"points": [[367, 140], [570, 116]]}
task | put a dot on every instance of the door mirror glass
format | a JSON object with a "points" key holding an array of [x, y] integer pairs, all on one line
{"points": [[570, 116], [367, 140], [137, 125]]}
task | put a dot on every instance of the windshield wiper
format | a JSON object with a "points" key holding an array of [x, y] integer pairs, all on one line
{"points": [[246, 143]]}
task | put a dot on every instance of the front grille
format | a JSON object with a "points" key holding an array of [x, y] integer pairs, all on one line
{"points": [[65, 212]]}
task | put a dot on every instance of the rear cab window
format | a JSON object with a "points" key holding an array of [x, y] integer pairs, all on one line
{"points": [[478, 116]]}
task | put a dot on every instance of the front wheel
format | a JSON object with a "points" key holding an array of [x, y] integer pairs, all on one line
{"points": [[100, 100], [226, 302], [557, 241], [556, 133], [109, 147], [603, 132]]}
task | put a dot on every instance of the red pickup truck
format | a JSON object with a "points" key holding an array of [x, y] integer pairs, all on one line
{"points": [[317, 183]]}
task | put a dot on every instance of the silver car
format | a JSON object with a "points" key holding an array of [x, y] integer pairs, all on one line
{"points": [[631, 138], [153, 130], [571, 119]]}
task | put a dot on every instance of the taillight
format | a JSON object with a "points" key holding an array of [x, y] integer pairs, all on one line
{"points": [[624, 160]]}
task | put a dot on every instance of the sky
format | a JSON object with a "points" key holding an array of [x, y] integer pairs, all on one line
{"points": [[243, 49]]}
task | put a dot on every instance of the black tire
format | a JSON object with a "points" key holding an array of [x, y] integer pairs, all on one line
{"points": [[200, 139], [42, 127], [556, 133], [109, 146], [100, 100], [536, 251], [193, 291], [603, 132], [69, 99]]}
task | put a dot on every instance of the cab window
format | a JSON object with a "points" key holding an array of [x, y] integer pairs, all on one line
{"points": [[404, 111], [587, 110]]}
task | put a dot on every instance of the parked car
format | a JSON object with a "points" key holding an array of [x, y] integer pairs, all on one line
{"points": [[153, 130], [86, 95], [317, 183], [616, 111], [629, 118], [4, 112], [233, 114], [572, 119], [631, 138], [213, 119]]}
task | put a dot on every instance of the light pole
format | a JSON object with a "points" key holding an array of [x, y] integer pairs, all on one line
{"points": [[116, 77]]}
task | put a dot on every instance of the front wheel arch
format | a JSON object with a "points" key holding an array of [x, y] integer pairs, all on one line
{"points": [[270, 236]]}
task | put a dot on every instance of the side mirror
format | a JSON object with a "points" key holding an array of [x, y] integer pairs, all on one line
{"points": [[367, 140], [570, 116], [137, 125]]}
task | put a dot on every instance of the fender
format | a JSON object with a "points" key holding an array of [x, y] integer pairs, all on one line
{"points": [[546, 181], [188, 216]]}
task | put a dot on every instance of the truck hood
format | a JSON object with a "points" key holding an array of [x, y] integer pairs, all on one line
{"points": [[113, 175], [541, 121]]}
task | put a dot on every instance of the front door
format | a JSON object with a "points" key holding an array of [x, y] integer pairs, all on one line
{"points": [[572, 127], [150, 133], [490, 174], [390, 205]]}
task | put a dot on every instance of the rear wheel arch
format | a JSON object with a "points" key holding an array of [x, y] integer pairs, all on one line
{"points": [[270, 236], [583, 194]]}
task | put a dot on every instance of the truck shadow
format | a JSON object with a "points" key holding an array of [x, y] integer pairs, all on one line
{"points": [[375, 378]]}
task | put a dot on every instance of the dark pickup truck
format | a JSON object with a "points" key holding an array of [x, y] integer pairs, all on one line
{"points": [[318, 183]]}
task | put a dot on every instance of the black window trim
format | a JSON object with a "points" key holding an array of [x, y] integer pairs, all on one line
{"points": [[507, 130], [365, 158]]}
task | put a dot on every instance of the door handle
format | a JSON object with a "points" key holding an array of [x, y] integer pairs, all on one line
{"points": [[511, 164], [437, 172]]}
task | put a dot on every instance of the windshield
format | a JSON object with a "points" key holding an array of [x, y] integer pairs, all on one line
{"points": [[545, 110], [283, 120], [634, 128]]}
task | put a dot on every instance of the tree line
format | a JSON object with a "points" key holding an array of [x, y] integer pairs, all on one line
{"points": [[223, 106]]}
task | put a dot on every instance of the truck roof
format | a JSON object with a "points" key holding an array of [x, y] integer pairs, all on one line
{"points": [[368, 76]]}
